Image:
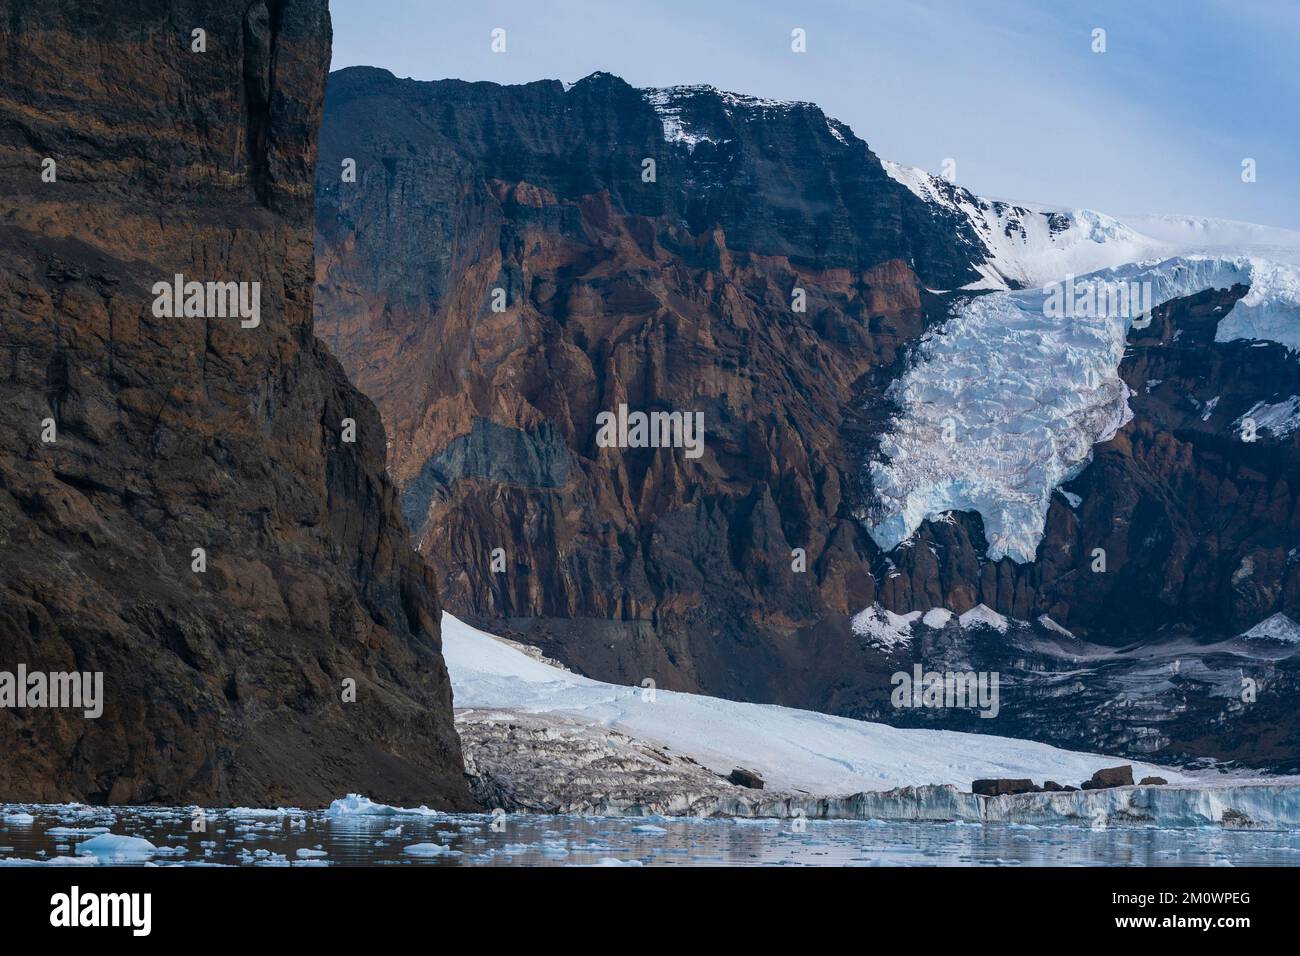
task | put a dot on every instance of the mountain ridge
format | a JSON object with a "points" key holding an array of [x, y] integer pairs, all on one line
{"points": [[634, 564]]}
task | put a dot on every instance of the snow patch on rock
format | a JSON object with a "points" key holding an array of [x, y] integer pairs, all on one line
{"points": [[1279, 419], [982, 615], [1279, 627], [1048, 624], [936, 617], [883, 627]]}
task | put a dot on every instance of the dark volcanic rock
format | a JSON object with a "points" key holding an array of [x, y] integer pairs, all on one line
{"points": [[1110, 777], [1152, 782], [745, 778], [221, 687], [999, 786]]}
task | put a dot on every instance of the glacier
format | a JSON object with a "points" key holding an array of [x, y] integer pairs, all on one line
{"points": [[796, 750], [1006, 399], [665, 754]]}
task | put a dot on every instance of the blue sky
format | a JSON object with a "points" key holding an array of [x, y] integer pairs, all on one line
{"points": [[1010, 89]]}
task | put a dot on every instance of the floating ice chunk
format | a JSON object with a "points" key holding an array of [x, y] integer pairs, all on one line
{"points": [[18, 819], [52, 861], [112, 847], [429, 850], [355, 805], [648, 828], [306, 853], [261, 812]]}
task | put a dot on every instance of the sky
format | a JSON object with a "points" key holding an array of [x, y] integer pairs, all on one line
{"points": [[1010, 89]]}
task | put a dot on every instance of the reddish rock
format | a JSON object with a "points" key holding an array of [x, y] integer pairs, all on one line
{"points": [[1110, 777], [745, 778], [1002, 786]]}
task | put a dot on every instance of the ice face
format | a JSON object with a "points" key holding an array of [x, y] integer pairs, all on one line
{"points": [[1006, 400]]}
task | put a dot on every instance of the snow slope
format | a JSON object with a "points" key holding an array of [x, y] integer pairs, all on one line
{"points": [[1006, 399], [791, 749]]}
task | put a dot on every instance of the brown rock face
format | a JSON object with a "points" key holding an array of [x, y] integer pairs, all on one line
{"points": [[500, 273], [626, 562], [1003, 785], [1110, 777], [172, 434]]}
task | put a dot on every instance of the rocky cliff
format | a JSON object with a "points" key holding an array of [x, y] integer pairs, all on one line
{"points": [[675, 294], [193, 504], [503, 269]]}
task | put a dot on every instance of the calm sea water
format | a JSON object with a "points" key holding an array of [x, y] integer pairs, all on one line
{"points": [[79, 836]]}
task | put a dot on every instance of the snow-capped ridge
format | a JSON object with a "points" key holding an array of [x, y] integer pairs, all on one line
{"points": [[1031, 244]]}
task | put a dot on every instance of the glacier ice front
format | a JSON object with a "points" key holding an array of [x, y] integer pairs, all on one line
{"points": [[1007, 398]]}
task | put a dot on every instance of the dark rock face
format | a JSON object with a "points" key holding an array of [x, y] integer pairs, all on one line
{"points": [[1109, 777], [676, 296], [226, 686], [1000, 786], [745, 778], [1153, 782]]}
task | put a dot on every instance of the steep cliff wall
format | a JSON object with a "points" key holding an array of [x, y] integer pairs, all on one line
{"points": [[673, 294], [228, 684]]}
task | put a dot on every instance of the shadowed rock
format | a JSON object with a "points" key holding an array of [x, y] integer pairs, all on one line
{"points": [[223, 686]]}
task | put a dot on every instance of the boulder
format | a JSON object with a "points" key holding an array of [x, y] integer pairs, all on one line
{"points": [[746, 778], [1110, 777], [1000, 786], [1152, 782]]}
